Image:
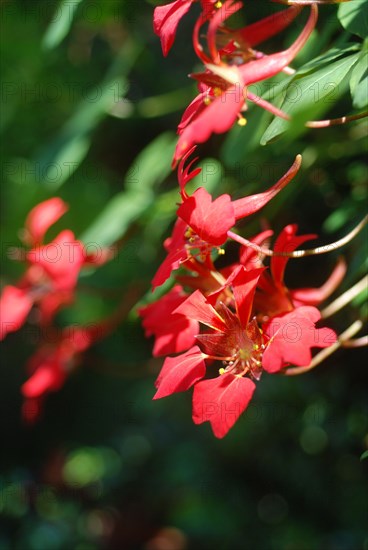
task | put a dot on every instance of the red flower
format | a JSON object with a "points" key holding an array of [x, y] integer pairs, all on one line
{"points": [[15, 304], [55, 359], [203, 224], [53, 269], [210, 220], [166, 19], [273, 297], [226, 85], [243, 346], [61, 260], [221, 401], [292, 336], [180, 373], [173, 333], [237, 343], [40, 218], [265, 28]]}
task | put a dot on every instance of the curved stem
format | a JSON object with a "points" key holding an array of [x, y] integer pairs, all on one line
{"points": [[357, 343], [310, 123], [302, 253], [335, 121], [345, 298]]}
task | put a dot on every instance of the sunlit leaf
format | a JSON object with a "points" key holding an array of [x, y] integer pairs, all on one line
{"points": [[312, 94], [116, 217], [359, 82], [60, 24], [152, 165], [353, 17]]}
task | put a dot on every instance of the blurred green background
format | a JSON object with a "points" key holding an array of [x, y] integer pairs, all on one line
{"points": [[89, 111]]}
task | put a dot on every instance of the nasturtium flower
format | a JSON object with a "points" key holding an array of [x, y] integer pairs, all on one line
{"points": [[203, 223], [224, 93], [166, 19], [173, 333], [52, 271], [243, 346], [273, 297]]}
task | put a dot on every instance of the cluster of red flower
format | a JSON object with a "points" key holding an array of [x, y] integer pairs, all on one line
{"points": [[243, 315], [252, 321], [48, 285]]}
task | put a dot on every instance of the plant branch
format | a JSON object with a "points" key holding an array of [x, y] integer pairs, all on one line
{"points": [[345, 298], [302, 253]]}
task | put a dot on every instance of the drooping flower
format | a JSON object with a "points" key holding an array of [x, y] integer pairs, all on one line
{"points": [[52, 272], [59, 353], [273, 297], [15, 305], [203, 223], [221, 401], [41, 218], [292, 335], [243, 346], [166, 19], [173, 333], [224, 84]]}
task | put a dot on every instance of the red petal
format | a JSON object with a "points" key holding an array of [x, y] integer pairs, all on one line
{"points": [[41, 217], [177, 254], [48, 377], [62, 260], [286, 242], [314, 296], [180, 373], [244, 286], [193, 109], [249, 205], [173, 333], [221, 401], [177, 240], [170, 263], [166, 20], [210, 220], [270, 65], [15, 304], [217, 118], [292, 337], [250, 257], [184, 174], [268, 26], [196, 307]]}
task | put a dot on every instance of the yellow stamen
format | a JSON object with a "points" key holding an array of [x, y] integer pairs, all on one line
{"points": [[242, 121], [218, 5], [207, 101], [221, 371]]}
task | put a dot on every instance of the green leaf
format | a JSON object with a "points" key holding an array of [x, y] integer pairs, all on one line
{"points": [[364, 455], [149, 168], [152, 165], [353, 17], [311, 95], [359, 82], [68, 149], [64, 154], [326, 58], [60, 24], [116, 217]]}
